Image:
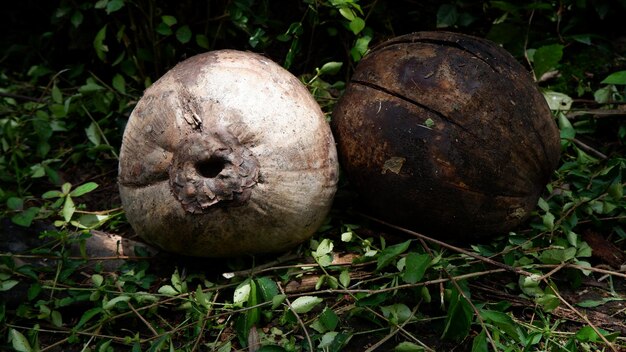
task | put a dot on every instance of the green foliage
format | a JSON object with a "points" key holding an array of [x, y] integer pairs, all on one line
{"points": [[68, 84]]}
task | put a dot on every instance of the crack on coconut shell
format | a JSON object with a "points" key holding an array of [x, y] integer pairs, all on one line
{"points": [[211, 171]]}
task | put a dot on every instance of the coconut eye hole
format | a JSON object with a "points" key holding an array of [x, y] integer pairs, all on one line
{"points": [[211, 168]]}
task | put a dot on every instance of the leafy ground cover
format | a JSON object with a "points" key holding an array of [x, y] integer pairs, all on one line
{"points": [[70, 79]]}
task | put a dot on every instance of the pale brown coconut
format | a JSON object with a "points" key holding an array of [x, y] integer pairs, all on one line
{"points": [[227, 154]]}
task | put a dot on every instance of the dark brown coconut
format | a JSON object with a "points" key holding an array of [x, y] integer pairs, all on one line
{"points": [[446, 134]]}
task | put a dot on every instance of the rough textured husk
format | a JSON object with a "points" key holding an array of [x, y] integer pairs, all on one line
{"points": [[270, 157], [447, 134]]}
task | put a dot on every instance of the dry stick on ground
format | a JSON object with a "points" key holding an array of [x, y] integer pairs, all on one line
{"points": [[552, 272], [401, 328], [398, 287], [130, 305], [589, 149], [476, 312], [597, 270], [456, 284], [498, 264], [20, 97], [395, 331], [449, 246], [583, 317], [206, 318], [306, 333]]}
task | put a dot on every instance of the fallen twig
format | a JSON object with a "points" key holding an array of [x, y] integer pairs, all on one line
{"points": [[451, 247], [306, 333]]}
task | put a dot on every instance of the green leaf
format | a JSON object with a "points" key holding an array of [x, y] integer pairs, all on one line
{"points": [[447, 16], [33, 291], [183, 34], [100, 4], [347, 13], [548, 221], [15, 203], [530, 285], [588, 334], [159, 344], [242, 293], [97, 280], [7, 285], [330, 68], [257, 37], [408, 347], [202, 41], [163, 29], [327, 340], [77, 19], [504, 322], [88, 315], [68, 209], [278, 300], [98, 44], [396, 313], [110, 304], [415, 267], [543, 205], [480, 342], [227, 347], [616, 78], [323, 254], [567, 130], [329, 319], [119, 83], [56, 319], [356, 25], [93, 134], [39, 170], [178, 284], [83, 189], [590, 303], [584, 250], [169, 20], [558, 101], [557, 256], [425, 294], [52, 194], [547, 58], [167, 290], [19, 341], [57, 96], [324, 247], [344, 278], [114, 5], [390, 253], [304, 304], [548, 302], [253, 315], [267, 288], [459, 318], [616, 191], [603, 95], [26, 217], [90, 87], [360, 47]]}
